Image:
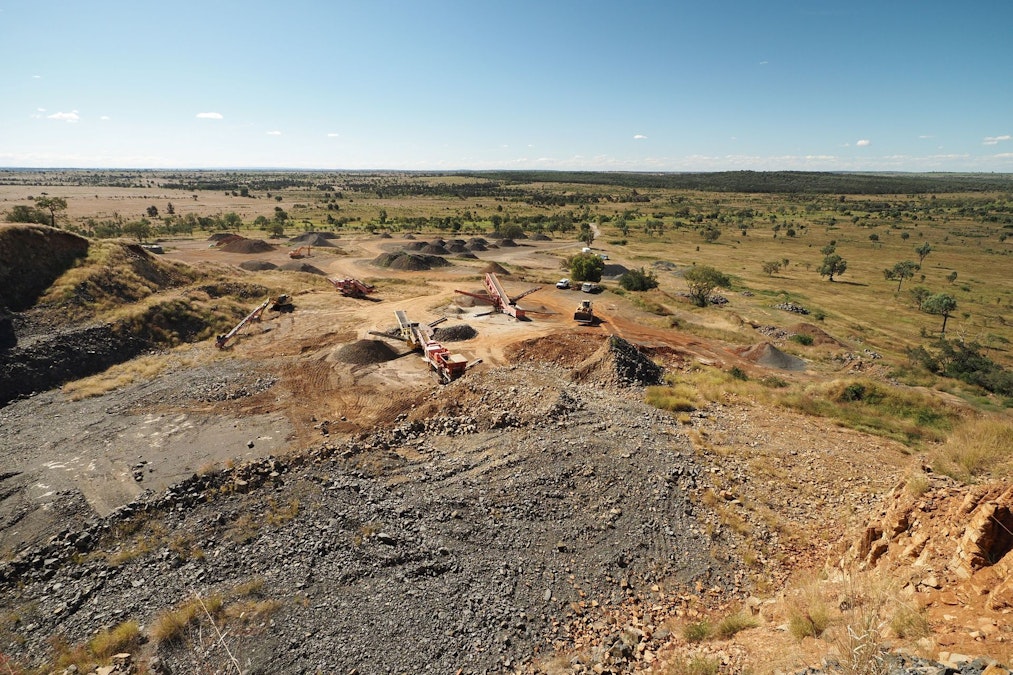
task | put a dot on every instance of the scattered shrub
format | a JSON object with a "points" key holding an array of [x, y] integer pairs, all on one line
{"points": [[697, 631]]}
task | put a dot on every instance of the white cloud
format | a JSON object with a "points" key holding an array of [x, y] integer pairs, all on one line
{"points": [[36, 77], [274, 133], [763, 63], [332, 135], [104, 118], [71, 116], [925, 137], [210, 116], [864, 143], [994, 140], [639, 137]]}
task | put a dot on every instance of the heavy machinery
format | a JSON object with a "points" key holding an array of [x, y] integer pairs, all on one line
{"points": [[301, 252], [283, 304], [222, 341], [352, 288], [585, 314], [498, 297], [446, 366]]}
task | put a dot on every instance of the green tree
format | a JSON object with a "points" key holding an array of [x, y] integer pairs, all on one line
{"points": [[920, 295], [638, 280], [900, 272], [952, 276], [923, 251], [586, 235], [771, 268], [710, 234], [53, 205], [832, 264], [941, 304], [702, 280], [232, 221], [141, 229], [152, 211], [512, 231], [586, 267], [26, 214]]}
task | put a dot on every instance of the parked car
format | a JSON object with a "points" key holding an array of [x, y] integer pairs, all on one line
{"points": [[603, 256], [588, 287], [563, 283]]}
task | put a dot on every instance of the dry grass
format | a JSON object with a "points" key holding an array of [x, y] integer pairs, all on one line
{"points": [[170, 626], [734, 623], [125, 637], [142, 368], [979, 448]]}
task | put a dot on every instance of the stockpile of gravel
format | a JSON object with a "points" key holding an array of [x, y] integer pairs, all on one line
{"points": [[506, 243], [438, 242], [496, 268], [299, 266], [539, 236], [244, 245], [409, 262], [257, 265], [365, 352], [314, 239], [456, 247], [618, 363], [456, 333], [766, 354], [416, 246], [476, 246], [435, 249]]}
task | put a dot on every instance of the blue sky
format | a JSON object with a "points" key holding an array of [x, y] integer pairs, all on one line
{"points": [[908, 85]]}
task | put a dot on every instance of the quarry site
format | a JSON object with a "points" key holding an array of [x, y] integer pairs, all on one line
{"points": [[400, 453]]}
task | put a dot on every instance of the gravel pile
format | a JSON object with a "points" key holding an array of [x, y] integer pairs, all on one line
{"points": [[257, 265], [435, 249], [365, 352], [766, 354], [476, 247], [416, 246], [506, 243], [513, 519], [455, 333], [617, 364], [244, 245], [411, 262], [299, 266], [314, 239], [792, 307], [497, 269]]}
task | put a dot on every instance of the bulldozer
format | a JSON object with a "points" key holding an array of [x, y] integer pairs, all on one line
{"points": [[585, 314]]}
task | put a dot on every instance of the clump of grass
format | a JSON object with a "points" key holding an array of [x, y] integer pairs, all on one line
{"points": [[917, 484], [697, 631], [675, 398], [278, 514], [810, 621], [171, 625], [977, 449], [908, 623], [734, 623], [876, 408], [697, 665], [123, 638], [802, 339]]}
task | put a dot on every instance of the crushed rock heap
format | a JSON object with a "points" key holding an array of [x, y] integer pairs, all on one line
{"points": [[618, 363]]}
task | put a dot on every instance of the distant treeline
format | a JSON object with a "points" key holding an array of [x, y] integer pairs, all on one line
{"points": [[770, 181]]}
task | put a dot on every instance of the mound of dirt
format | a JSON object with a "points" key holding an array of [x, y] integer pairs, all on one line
{"points": [[476, 247], [456, 247], [506, 243], [438, 242], [618, 363], [222, 236], [819, 336], [456, 333], [613, 271], [416, 246], [455, 242], [766, 354], [244, 245], [467, 254], [477, 240], [298, 266], [257, 265], [32, 257], [314, 239], [409, 236], [496, 268], [540, 236], [409, 262], [562, 349], [435, 249], [365, 352]]}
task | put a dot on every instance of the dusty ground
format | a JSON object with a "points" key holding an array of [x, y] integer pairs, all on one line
{"points": [[787, 486]]}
